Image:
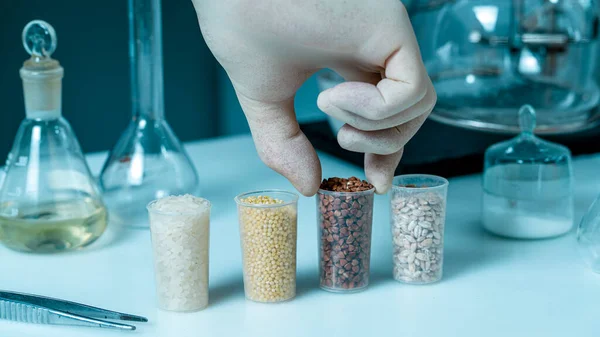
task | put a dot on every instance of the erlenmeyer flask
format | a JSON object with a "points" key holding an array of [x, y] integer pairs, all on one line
{"points": [[148, 161], [48, 199]]}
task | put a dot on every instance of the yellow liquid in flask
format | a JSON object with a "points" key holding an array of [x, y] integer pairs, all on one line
{"points": [[53, 227]]}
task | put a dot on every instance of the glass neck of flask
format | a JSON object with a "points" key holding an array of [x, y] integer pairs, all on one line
{"points": [[145, 50]]}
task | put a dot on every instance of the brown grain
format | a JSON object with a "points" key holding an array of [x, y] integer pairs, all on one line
{"points": [[345, 220]]}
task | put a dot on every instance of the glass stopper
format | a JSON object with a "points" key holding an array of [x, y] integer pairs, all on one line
{"points": [[39, 38], [527, 119]]}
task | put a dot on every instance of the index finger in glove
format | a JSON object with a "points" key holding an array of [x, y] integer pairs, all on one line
{"points": [[383, 142], [380, 169], [405, 84], [423, 107]]}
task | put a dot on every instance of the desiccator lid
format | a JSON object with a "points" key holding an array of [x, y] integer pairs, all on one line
{"points": [[526, 148]]}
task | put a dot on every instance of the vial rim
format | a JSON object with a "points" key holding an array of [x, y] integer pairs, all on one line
{"points": [[150, 208], [294, 198], [357, 193], [443, 182]]}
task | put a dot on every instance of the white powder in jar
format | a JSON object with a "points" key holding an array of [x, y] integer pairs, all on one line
{"points": [[521, 225], [180, 242], [528, 218]]}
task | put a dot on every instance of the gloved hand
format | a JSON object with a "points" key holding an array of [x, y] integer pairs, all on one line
{"points": [[270, 47]]}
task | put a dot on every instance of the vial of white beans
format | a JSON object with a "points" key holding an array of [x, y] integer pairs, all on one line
{"points": [[418, 217]]}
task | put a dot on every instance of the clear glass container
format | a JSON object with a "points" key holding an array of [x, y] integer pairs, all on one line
{"points": [[528, 185], [49, 201], [588, 236], [148, 162], [489, 57], [418, 220], [345, 221], [268, 233], [180, 227]]}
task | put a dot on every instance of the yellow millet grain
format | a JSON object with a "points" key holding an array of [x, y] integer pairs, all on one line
{"points": [[269, 249]]}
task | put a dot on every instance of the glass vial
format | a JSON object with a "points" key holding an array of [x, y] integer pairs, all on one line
{"points": [[49, 201], [418, 217], [268, 233], [345, 221], [180, 245]]}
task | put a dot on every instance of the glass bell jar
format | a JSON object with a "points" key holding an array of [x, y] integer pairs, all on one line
{"points": [[148, 161], [487, 58], [527, 185], [49, 201]]}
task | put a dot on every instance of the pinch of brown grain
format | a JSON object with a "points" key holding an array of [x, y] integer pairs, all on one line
{"points": [[352, 184]]}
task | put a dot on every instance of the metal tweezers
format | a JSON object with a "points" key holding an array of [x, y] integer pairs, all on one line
{"points": [[45, 310]]}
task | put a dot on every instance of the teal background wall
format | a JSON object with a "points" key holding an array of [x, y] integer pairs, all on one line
{"points": [[93, 49], [231, 117]]}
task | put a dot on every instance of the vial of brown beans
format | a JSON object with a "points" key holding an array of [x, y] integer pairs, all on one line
{"points": [[345, 218]]}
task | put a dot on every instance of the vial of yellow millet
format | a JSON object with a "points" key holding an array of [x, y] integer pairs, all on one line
{"points": [[268, 232]]}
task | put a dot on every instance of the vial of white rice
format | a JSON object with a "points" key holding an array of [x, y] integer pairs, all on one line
{"points": [[180, 232]]}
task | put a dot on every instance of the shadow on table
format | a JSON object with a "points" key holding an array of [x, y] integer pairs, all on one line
{"points": [[231, 288], [467, 249], [475, 248], [381, 276], [307, 281], [114, 235], [472, 248]]}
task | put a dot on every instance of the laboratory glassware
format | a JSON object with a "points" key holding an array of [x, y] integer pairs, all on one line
{"points": [[268, 233], [528, 185], [487, 58], [418, 220], [148, 161], [49, 201], [345, 223], [588, 236], [180, 228]]}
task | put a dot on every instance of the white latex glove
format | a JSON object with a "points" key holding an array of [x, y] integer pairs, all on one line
{"points": [[270, 47]]}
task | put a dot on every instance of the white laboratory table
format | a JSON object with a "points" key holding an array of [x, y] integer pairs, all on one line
{"points": [[491, 286]]}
